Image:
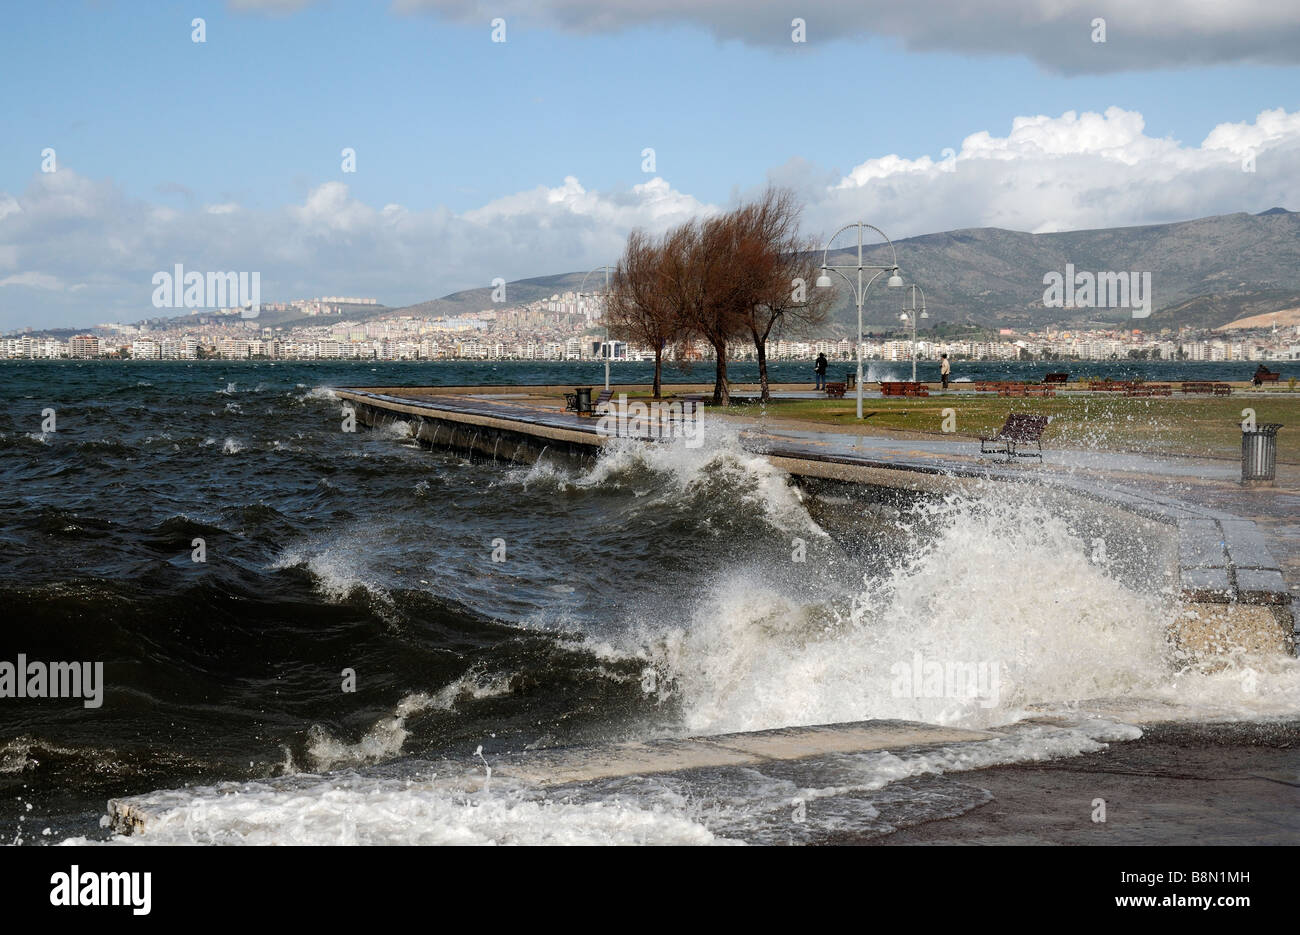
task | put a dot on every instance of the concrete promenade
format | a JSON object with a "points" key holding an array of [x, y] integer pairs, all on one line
{"points": [[1237, 548]]}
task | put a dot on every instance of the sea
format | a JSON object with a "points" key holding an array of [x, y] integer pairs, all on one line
{"points": [[305, 631]]}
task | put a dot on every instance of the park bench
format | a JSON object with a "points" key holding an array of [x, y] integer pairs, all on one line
{"points": [[1264, 375], [1056, 378], [1021, 428], [835, 390], [1025, 389], [1149, 389], [902, 388], [1206, 388]]}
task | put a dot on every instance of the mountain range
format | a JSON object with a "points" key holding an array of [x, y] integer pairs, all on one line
{"points": [[1205, 273]]}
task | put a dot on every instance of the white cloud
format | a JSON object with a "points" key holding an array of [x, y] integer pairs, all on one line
{"points": [[1057, 34], [1074, 171]]}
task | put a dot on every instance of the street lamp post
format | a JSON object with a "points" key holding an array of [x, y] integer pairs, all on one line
{"points": [[860, 292], [606, 350], [910, 314]]}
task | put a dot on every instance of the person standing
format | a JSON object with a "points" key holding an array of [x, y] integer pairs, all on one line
{"points": [[819, 368], [945, 369]]}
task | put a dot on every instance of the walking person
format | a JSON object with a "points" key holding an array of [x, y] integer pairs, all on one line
{"points": [[945, 369], [819, 368]]}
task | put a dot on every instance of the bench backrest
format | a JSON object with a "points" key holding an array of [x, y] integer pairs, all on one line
{"points": [[1023, 426]]}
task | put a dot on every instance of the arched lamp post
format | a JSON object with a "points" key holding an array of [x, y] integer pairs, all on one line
{"points": [[606, 349], [860, 291], [909, 314]]}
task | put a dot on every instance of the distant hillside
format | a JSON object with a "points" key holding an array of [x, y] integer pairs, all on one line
{"points": [[1282, 318], [1205, 273], [517, 293]]}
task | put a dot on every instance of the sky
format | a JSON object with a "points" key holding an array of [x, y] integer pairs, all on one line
{"points": [[476, 159]]}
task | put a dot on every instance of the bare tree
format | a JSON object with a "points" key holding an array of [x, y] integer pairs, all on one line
{"points": [[779, 270], [644, 305], [740, 274], [715, 286]]}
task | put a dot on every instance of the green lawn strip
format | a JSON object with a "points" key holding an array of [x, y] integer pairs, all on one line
{"points": [[1208, 427], [1201, 427]]}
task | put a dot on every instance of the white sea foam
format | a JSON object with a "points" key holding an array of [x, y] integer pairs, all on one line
{"points": [[459, 805], [1003, 584], [720, 472], [232, 446], [385, 738], [338, 568], [354, 810], [318, 392]]}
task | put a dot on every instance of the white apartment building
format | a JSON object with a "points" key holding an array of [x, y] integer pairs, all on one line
{"points": [[145, 349]]}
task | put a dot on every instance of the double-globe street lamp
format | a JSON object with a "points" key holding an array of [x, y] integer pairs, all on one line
{"points": [[909, 314], [860, 292], [605, 350]]}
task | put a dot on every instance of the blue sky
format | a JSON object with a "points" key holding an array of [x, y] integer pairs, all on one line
{"points": [[446, 123]]}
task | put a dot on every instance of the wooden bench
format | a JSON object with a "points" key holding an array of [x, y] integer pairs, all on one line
{"points": [[902, 388], [1264, 375], [1149, 389], [1021, 428], [835, 390], [1056, 378], [601, 400], [1206, 388]]}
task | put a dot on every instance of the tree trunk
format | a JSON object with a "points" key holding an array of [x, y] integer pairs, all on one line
{"points": [[721, 391], [659, 369], [760, 345]]}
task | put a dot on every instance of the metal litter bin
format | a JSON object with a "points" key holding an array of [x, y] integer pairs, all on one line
{"points": [[1259, 453], [583, 406], [851, 380]]}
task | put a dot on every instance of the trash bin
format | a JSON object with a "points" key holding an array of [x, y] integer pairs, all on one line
{"points": [[851, 380], [583, 407], [1259, 453]]}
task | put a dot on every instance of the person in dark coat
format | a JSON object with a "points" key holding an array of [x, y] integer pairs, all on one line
{"points": [[819, 368]]}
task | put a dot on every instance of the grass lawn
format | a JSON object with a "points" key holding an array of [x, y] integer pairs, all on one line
{"points": [[1171, 425]]}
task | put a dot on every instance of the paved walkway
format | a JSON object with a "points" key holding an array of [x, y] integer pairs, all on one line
{"points": [[1198, 487]]}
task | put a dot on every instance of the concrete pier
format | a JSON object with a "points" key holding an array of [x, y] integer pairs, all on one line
{"points": [[1233, 591]]}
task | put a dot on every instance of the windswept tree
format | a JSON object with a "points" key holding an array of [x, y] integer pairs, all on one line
{"points": [[742, 274], [714, 289], [645, 305], [779, 271]]}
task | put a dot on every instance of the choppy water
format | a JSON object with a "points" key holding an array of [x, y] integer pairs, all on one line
{"points": [[652, 594]]}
